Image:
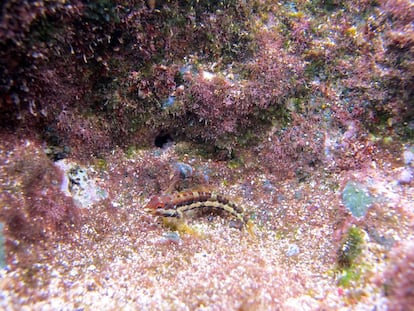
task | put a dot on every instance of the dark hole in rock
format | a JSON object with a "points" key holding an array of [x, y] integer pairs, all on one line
{"points": [[162, 140]]}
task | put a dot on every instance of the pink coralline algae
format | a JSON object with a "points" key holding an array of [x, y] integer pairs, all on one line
{"points": [[33, 205], [399, 277], [301, 112]]}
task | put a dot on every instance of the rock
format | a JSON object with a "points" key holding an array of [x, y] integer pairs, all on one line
{"points": [[356, 198]]}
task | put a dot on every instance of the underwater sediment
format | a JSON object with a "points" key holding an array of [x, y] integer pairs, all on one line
{"points": [[277, 138]]}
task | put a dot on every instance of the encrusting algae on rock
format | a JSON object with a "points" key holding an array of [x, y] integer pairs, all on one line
{"points": [[302, 109]]}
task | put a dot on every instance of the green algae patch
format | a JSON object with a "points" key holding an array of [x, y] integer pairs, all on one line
{"points": [[351, 247], [349, 265], [101, 164], [235, 163], [348, 276], [356, 198]]}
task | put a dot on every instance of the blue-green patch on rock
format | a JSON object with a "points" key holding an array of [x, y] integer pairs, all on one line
{"points": [[2, 247], [356, 198]]}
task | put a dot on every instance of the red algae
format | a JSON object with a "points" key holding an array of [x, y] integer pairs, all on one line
{"points": [[33, 205], [276, 106], [398, 277], [119, 256]]}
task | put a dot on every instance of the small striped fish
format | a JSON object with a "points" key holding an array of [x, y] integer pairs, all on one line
{"points": [[175, 205]]}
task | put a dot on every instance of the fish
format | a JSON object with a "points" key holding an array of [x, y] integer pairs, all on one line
{"points": [[177, 204]]}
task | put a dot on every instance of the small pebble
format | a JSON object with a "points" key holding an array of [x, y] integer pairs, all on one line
{"points": [[184, 169], [408, 156], [405, 176], [171, 237], [293, 250]]}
